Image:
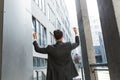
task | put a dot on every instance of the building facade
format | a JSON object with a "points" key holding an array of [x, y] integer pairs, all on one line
{"points": [[100, 51], [19, 19]]}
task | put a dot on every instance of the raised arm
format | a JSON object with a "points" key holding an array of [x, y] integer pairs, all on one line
{"points": [[36, 46], [74, 45]]}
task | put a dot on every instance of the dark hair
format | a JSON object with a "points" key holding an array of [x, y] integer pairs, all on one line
{"points": [[58, 34]]}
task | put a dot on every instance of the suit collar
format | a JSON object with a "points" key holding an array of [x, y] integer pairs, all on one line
{"points": [[59, 42]]}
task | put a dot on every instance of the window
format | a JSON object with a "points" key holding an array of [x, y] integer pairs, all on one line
{"points": [[67, 38], [40, 4], [34, 62], [98, 59], [37, 2], [97, 49], [51, 38], [43, 36], [43, 5], [34, 24], [41, 32], [58, 25], [58, 9], [51, 16], [39, 62], [38, 32], [48, 12], [41, 39]]}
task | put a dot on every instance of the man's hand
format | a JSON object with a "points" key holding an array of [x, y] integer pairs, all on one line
{"points": [[35, 35], [75, 30]]}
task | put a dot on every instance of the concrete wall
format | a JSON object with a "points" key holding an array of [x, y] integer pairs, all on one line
{"points": [[111, 36], [17, 58], [116, 5], [1, 28], [88, 55]]}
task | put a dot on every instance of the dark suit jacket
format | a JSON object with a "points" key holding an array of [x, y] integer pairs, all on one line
{"points": [[60, 65]]}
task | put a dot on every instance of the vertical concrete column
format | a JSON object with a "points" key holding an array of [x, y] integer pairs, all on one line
{"points": [[1, 32], [116, 5], [17, 57], [86, 38], [109, 17]]}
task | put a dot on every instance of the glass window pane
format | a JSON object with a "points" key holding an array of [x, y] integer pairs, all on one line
{"points": [[37, 30], [37, 2], [40, 4], [43, 5], [34, 62], [98, 59], [34, 24]]}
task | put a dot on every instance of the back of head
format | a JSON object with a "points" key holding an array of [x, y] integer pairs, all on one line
{"points": [[58, 34]]}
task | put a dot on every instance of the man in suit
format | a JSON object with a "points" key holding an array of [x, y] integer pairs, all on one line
{"points": [[60, 65]]}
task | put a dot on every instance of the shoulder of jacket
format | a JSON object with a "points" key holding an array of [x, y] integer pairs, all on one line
{"points": [[50, 46], [68, 43]]}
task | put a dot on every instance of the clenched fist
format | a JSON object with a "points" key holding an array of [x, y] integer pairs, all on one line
{"points": [[35, 35], [75, 30]]}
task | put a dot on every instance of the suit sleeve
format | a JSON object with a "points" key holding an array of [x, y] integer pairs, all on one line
{"points": [[38, 49], [74, 45]]}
